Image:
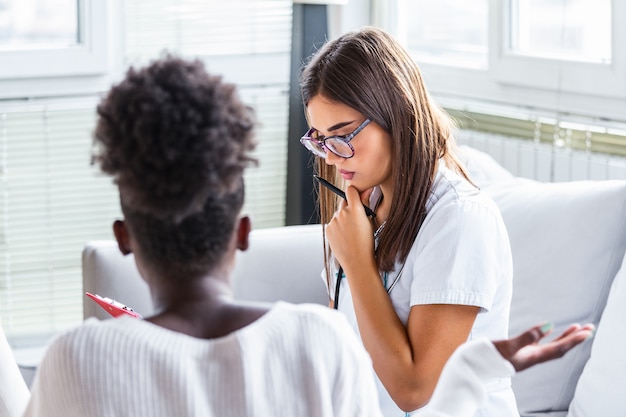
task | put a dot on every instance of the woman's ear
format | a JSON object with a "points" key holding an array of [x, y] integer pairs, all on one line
{"points": [[243, 232], [121, 235]]}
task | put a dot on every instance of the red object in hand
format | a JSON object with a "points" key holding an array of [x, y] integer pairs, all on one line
{"points": [[113, 307]]}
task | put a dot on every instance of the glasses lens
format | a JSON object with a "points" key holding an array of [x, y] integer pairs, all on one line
{"points": [[314, 146], [339, 147]]}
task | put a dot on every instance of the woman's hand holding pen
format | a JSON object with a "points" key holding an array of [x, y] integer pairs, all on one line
{"points": [[350, 231]]}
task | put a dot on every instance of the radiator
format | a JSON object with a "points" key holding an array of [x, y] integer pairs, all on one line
{"points": [[545, 162]]}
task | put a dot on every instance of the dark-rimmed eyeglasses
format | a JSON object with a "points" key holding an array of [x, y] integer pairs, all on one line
{"points": [[339, 145]]}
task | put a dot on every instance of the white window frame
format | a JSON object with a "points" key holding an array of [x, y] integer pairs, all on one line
{"points": [[507, 68], [83, 69], [528, 84]]}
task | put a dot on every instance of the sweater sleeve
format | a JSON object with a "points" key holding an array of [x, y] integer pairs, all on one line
{"points": [[462, 387], [13, 390], [354, 392], [50, 385]]}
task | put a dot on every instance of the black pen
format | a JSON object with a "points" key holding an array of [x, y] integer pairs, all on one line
{"points": [[340, 193]]}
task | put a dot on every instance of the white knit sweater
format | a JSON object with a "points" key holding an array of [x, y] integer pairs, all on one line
{"points": [[294, 361]]}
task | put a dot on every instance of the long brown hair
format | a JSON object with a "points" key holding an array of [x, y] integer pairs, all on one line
{"points": [[372, 73]]}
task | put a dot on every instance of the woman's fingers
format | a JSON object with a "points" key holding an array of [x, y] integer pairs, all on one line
{"points": [[350, 232], [570, 329], [353, 197], [365, 196], [524, 351], [508, 348]]}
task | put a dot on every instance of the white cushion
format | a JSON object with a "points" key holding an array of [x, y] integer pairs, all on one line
{"points": [[600, 389], [568, 242], [108, 273], [481, 167], [282, 263]]}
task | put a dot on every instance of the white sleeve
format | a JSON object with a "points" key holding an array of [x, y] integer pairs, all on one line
{"points": [[462, 387], [355, 390], [55, 390], [448, 269], [48, 386], [13, 390]]}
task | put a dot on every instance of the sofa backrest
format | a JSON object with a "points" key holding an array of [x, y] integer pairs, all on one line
{"points": [[281, 263], [568, 240], [108, 273]]}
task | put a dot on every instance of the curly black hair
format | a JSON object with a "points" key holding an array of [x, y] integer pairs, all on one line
{"points": [[176, 141]]}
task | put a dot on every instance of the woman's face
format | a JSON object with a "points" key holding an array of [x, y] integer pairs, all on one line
{"points": [[371, 164]]}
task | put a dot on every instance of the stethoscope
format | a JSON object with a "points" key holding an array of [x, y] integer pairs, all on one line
{"points": [[340, 274]]}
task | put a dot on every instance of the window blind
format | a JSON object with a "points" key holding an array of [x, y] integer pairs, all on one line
{"points": [[52, 200]]}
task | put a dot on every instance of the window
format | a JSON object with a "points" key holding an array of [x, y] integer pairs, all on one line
{"points": [[56, 47], [30, 24], [565, 45], [52, 201], [52, 38], [561, 57], [449, 32], [572, 30]]}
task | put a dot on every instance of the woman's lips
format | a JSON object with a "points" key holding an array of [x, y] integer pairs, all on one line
{"points": [[347, 175]]}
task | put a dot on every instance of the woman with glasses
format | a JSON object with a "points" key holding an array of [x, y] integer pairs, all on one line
{"points": [[432, 267]]}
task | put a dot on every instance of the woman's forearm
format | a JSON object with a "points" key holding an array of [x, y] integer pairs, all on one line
{"points": [[408, 360]]}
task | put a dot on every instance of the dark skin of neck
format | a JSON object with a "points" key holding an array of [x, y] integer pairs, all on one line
{"points": [[202, 306]]}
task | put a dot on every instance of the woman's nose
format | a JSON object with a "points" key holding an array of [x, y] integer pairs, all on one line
{"points": [[332, 159]]}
